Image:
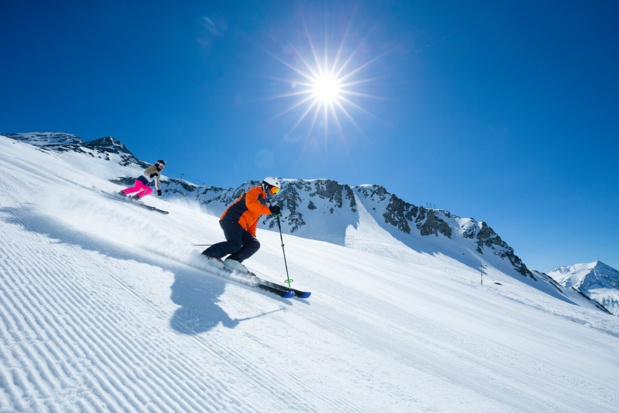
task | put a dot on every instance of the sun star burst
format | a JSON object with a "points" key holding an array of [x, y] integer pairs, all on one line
{"points": [[325, 87]]}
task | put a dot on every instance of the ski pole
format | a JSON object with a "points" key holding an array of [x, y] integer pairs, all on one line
{"points": [[281, 237]]}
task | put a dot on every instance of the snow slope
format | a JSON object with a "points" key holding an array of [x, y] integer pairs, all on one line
{"points": [[103, 307]]}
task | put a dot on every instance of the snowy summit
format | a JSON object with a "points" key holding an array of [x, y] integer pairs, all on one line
{"points": [[596, 281]]}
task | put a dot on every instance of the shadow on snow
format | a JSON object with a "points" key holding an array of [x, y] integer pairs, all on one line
{"points": [[196, 292]]}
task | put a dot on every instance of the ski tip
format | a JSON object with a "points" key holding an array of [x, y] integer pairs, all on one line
{"points": [[288, 294], [304, 294]]}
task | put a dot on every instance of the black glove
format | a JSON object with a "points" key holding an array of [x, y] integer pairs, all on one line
{"points": [[275, 209], [158, 192]]}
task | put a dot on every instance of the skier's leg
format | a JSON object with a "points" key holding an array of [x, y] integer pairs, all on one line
{"points": [[144, 191], [134, 188], [251, 245], [234, 240]]}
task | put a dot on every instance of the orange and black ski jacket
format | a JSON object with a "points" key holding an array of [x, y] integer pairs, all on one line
{"points": [[248, 209]]}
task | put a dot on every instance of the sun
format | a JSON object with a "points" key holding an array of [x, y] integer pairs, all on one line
{"points": [[326, 89], [325, 85]]}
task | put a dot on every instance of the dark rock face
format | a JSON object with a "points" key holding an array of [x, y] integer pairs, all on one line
{"points": [[300, 195]]}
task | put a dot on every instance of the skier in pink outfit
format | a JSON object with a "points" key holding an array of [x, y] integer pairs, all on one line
{"points": [[141, 184]]}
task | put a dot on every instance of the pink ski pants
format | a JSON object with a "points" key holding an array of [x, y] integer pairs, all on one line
{"points": [[140, 188]]}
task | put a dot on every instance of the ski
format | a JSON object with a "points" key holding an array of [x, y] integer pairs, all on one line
{"points": [[136, 203], [297, 293], [282, 292], [252, 280], [152, 208]]}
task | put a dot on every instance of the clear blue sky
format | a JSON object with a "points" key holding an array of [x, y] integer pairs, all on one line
{"points": [[504, 111]]}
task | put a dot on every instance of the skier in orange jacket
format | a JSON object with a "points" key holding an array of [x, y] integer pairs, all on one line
{"points": [[239, 222]]}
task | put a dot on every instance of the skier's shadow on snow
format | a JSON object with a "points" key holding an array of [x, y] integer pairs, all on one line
{"points": [[197, 294], [198, 298]]}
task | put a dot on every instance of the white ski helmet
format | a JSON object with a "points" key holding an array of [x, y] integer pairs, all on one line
{"points": [[269, 182]]}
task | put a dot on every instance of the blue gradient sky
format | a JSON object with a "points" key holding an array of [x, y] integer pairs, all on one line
{"points": [[504, 111]]}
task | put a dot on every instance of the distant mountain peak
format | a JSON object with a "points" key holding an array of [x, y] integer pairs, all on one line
{"points": [[46, 139], [65, 142], [107, 142], [595, 280]]}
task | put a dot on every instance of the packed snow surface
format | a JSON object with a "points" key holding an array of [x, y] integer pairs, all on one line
{"points": [[105, 306]]}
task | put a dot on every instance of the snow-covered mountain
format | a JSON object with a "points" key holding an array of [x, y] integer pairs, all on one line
{"points": [[65, 142], [326, 210], [596, 281], [106, 306]]}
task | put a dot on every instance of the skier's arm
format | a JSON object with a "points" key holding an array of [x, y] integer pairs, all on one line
{"points": [[253, 203]]}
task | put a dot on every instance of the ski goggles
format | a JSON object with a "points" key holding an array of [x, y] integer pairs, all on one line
{"points": [[274, 190]]}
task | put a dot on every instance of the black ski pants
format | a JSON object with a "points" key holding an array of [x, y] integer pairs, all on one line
{"points": [[239, 243]]}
